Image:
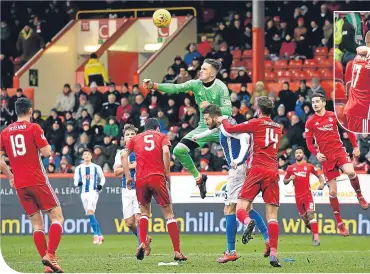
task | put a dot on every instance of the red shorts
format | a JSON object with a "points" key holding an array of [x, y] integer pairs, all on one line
{"points": [[261, 179], [154, 185], [332, 165], [357, 124], [305, 203], [36, 198]]}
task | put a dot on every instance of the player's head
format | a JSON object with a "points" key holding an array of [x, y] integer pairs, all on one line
{"points": [[211, 113], [87, 155], [318, 102], [152, 124], [129, 131], [23, 107], [299, 154], [264, 106], [367, 39], [209, 70]]}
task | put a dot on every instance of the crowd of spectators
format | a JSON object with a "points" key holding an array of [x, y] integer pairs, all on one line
{"points": [[95, 120]]}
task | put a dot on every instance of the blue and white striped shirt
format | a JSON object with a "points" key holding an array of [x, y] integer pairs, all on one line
{"points": [[90, 175], [118, 163]]}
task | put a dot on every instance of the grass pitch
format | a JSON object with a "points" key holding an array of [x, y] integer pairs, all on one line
{"points": [[117, 254]]}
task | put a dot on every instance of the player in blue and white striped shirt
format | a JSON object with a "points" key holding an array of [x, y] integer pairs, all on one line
{"points": [[130, 205], [90, 178], [236, 149]]}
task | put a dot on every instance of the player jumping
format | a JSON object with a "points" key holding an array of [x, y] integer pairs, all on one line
{"points": [[330, 152], [130, 205], [90, 178], [236, 148], [207, 90], [300, 173], [23, 142], [153, 170], [262, 172], [357, 109]]}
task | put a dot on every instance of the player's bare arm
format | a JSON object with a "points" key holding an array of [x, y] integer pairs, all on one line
{"points": [[244, 146], [125, 164], [166, 161], [118, 169], [6, 170], [46, 151], [291, 178]]}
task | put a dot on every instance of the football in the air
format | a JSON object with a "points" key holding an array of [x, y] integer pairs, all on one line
{"points": [[161, 18]]}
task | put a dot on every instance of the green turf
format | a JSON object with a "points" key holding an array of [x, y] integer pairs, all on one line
{"points": [[78, 254]]}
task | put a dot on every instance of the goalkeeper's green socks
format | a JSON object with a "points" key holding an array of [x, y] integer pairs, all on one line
{"points": [[182, 153]]}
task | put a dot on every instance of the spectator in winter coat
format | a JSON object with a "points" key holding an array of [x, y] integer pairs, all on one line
{"points": [[77, 92], [224, 56], [163, 120], [242, 77], [29, 42], [14, 98], [7, 71], [236, 115], [192, 52], [135, 91], [111, 129], [37, 118], [303, 49], [194, 68], [303, 88], [98, 156], [219, 160], [315, 88], [55, 136], [96, 98], [109, 108], [124, 110], [139, 104], [5, 115], [170, 77], [259, 91], [295, 132], [281, 118], [364, 144], [315, 34], [300, 30], [52, 119], [66, 100], [98, 120], [109, 150], [204, 46], [81, 144], [287, 97], [84, 104], [287, 48], [236, 34], [179, 64], [327, 30], [69, 118], [183, 76], [112, 90], [95, 72], [171, 112]]}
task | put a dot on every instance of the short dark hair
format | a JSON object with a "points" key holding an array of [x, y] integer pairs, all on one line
{"points": [[265, 105], [151, 124], [212, 110], [93, 55], [286, 83], [214, 63], [22, 106], [86, 150], [299, 147], [320, 95]]}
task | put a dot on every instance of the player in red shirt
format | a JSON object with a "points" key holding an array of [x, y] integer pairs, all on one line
{"points": [[262, 172], [300, 173], [323, 126], [357, 109], [152, 176], [23, 142]]}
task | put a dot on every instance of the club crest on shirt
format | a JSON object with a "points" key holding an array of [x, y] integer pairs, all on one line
{"points": [[317, 123], [330, 119]]}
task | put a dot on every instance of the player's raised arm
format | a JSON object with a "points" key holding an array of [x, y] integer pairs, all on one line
{"points": [[170, 88], [204, 134], [240, 128]]}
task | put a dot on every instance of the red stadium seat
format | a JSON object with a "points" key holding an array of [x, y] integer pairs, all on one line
{"points": [[331, 52], [325, 63], [270, 76], [295, 64], [309, 63], [281, 64], [284, 79], [237, 63], [283, 73], [326, 74], [315, 74], [247, 53], [319, 58], [236, 53], [273, 86], [294, 85], [339, 109], [340, 92], [321, 51], [235, 87], [268, 65], [328, 86], [301, 75], [248, 63]]}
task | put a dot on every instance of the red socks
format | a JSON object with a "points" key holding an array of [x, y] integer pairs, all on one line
{"points": [[314, 229], [243, 216], [356, 185], [273, 231], [143, 228], [335, 207], [40, 242], [55, 234], [174, 233]]}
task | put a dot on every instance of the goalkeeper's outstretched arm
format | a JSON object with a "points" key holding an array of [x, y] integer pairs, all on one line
{"points": [[169, 88]]}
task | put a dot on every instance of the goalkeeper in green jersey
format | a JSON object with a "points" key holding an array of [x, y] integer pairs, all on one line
{"points": [[207, 90]]}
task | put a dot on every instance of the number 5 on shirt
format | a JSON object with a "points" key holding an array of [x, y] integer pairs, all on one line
{"points": [[149, 139]]}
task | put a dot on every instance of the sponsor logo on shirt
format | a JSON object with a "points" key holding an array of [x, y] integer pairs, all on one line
{"points": [[301, 174], [327, 127]]}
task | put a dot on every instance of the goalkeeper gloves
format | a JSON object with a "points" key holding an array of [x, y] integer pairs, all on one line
{"points": [[99, 187], [149, 84], [80, 183]]}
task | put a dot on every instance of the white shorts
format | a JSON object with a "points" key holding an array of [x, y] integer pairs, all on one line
{"points": [[89, 200], [235, 181], [130, 205]]}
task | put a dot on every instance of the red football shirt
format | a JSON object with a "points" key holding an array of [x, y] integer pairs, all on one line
{"points": [[148, 151], [325, 131], [302, 177], [358, 103], [22, 141], [266, 138]]}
